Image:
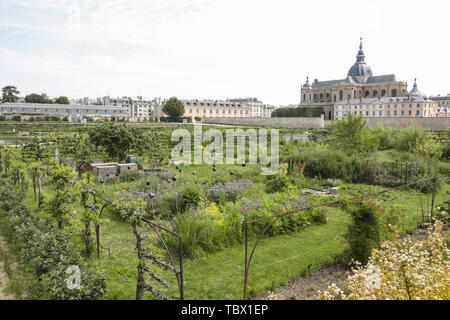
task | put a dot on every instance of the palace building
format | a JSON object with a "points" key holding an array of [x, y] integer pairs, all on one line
{"points": [[413, 104], [360, 83]]}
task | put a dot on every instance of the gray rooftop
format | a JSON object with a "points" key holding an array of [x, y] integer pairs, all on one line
{"points": [[383, 78], [321, 84]]}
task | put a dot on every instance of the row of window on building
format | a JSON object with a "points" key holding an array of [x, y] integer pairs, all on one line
{"points": [[217, 111], [367, 94], [210, 104]]}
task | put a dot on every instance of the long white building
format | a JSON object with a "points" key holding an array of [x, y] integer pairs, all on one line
{"points": [[62, 110]]}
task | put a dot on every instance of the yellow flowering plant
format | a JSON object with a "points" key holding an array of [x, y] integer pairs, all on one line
{"points": [[211, 210]]}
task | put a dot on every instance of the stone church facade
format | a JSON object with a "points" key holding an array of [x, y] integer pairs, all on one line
{"points": [[360, 83]]}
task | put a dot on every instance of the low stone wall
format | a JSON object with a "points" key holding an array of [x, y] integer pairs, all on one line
{"points": [[310, 123], [431, 124]]}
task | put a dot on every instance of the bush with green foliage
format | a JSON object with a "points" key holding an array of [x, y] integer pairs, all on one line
{"points": [[363, 233], [419, 142], [47, 251], [324, 163], [446, 146], [230, 190], [188, 196]]}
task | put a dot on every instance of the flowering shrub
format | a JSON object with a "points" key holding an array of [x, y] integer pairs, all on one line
{"points": [[401, 270], [231, 190], [202, 230], [211, 227]]}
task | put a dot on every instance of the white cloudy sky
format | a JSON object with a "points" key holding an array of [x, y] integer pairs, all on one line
{"points": [[216, 48]]}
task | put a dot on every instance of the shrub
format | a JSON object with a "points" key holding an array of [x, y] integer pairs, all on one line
{"points": [[202, 230], [421, 143], [320, 216], [386, 137], [446, 147], [278, 182], [46, 250], [363, 233], [231, 190], [189, 196], [325, 164]]}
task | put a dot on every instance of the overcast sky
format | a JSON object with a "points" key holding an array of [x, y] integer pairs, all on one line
{"points": [[217, 49]]}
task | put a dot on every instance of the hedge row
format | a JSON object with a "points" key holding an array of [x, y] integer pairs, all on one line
{"points": [[46, 251]]}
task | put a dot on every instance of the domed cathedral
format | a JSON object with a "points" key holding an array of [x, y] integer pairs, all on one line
{"points": [[360, 83]]}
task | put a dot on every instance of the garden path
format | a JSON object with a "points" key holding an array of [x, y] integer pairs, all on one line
{"points": [[4, 277]]}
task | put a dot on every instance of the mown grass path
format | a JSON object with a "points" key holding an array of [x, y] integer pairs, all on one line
{"points": [[221, 275]]}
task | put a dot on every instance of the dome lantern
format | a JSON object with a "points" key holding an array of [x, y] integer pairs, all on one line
{"points": [[360, 71]]}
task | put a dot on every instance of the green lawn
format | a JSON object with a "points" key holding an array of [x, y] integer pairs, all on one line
{"points": [[220, 275]]}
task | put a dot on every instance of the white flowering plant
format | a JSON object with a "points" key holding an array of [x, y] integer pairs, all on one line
{"points": [[401, 269]]}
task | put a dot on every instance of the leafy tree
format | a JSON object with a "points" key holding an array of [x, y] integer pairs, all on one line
{"points": [[351, 135], [46, 99], [174, 108], [62, 100], [116, 140], [37, 149], [92, 213], [60, 177], [9, 94], [87, 151], [386, 136], [34, 98]]}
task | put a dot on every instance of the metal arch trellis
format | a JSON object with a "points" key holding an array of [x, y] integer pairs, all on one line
{"points": [[277, 217], [156, 228]]}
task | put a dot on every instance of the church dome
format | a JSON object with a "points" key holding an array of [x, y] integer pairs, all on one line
{"points": [[416, 93], [360, 68]]}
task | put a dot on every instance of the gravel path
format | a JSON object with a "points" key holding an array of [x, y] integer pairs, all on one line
{"points": [[306, 287]]}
